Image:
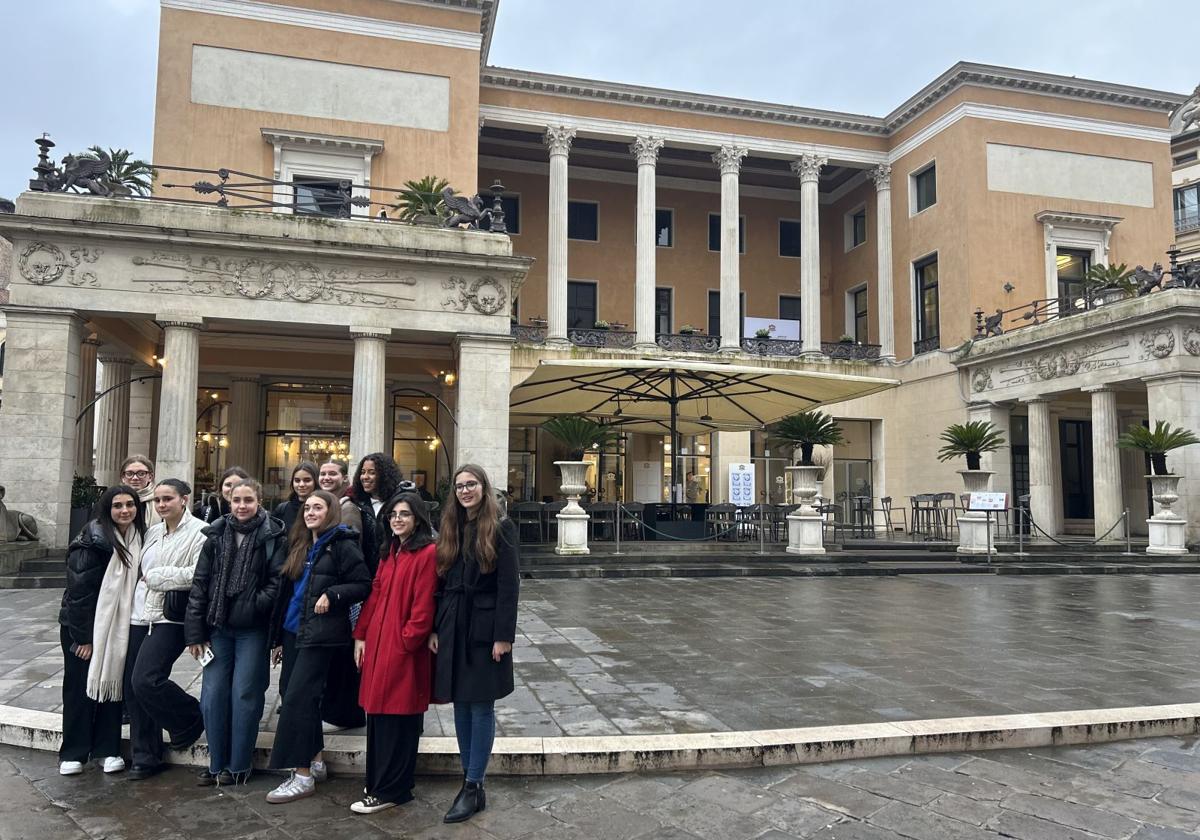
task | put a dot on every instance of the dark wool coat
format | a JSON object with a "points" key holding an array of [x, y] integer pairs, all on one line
{"points": [[397, 669], [374, 532], [87, 558], [255, 605], [474, 611], [339, 572], [287, 512]]}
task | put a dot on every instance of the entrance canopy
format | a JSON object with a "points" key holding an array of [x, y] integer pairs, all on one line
{"points": [[698, 394]]}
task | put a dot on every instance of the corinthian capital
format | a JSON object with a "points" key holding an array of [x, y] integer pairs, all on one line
{"points": [[645, 148], [882, 176], [808, 167], [558, 138], [729, 158]]}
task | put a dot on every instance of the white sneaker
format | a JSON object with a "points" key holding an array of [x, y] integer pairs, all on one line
{"points": [[330, 728], [114, 764], [296, 787], [371, 805], [320, 772], [70, 768]]}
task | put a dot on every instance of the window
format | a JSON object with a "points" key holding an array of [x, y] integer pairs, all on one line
{"points": [[1187, 157], [714, 313], [415, 439], [511, 204], [581, 305], [664, 228], [1072, 267], [858, 228], [1187, 208], [789, 238], [714, 233], [856, 313], [316, 196], [923, 188], [789, 308], [925, 275], [583, 221], [662, 311]]}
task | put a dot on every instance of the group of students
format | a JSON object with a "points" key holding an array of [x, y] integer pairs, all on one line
{"points": [[371, 612]]}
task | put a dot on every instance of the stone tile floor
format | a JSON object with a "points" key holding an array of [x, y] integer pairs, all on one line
{"points": [[1132, 790], [599, 657]]}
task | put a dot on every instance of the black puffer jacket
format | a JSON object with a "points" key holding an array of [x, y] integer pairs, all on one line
{"points": [[250, 608], [87, 559], [339, 572], [374, 533]]}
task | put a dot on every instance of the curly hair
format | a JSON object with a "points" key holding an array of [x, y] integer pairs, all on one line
{"points": [[387, 477]]}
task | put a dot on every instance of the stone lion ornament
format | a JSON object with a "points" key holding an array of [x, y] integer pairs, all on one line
{"points": [[16, 526]]}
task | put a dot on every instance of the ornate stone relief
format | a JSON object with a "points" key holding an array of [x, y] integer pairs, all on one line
{"points": [[254, 279], [729, 159], [486, 295], [1158, 343], [1191, 340], [646, 148], [43, 263], [1084, 358], [981, 380]]}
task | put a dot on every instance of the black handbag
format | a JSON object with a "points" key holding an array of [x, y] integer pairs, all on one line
{"points": [[175, 604]]}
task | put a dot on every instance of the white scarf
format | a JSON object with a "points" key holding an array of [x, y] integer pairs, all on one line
{"points": [[110, 634]]}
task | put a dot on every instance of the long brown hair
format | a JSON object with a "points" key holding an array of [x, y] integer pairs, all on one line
{"points": [[487, 524], [301, 543]]}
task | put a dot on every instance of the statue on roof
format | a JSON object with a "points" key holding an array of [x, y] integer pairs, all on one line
{"points": [[1187, 114]]}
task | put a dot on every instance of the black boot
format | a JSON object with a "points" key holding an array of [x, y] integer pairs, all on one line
{"points": [[469, 801]]}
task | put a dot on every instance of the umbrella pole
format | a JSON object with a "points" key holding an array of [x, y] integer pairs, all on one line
{"points": [[674, 445]]}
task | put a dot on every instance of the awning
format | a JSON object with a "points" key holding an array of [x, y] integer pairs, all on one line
{"points": [[710, 395]]}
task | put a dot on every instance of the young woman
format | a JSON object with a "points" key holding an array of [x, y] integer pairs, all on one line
{"points": [[169, 556], [391, 649], [323, 576], [304, 481], [375, 481], [94, 630], [229, 612], [475, 625], [137, 471], [218, 506], [334, 478]]}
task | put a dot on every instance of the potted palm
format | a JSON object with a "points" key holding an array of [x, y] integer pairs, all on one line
{"points": [[1109, 283], [421, 201], [969, 440], [124, 176], [1168, 530], [578, 434], [1156, 443], [806, 430]]}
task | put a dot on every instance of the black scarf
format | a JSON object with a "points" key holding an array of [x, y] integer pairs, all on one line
{"points": [[234, 565]]}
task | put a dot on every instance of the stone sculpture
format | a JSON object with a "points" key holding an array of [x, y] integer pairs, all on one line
{"points": [[14, 525], [464, 211]]}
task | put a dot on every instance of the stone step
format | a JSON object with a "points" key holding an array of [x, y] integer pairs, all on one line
{"points": [[43, 567], [24, 581]]}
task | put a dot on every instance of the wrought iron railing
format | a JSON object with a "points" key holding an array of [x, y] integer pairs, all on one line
{"points": [[925, 345], [601, 338], [689, 342], [772, 346], [1187, 221], [529, 334], [852, 350]]}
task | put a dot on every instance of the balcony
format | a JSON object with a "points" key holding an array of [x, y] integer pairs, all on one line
{"points": [[926, 345], [601, 338], [1187, 221], [689, 342]]}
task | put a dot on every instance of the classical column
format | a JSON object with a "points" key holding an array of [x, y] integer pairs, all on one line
{"points": [[37, 420], [368, 401], [729, 158], [728, 448], [1043, 506], [85, 430], [558, 139], [1108, 499], [112, 418], [177, 398], [645, 148], [1174, 398], [484, 380], [882, 176], [808, 167], [141, 412], [245, 422]]}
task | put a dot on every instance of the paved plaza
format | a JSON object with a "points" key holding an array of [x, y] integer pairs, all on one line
{"points": [[609, 657]]}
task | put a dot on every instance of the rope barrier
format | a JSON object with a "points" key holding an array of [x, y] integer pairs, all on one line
{"points": [[1029, 518], [706, 538]]}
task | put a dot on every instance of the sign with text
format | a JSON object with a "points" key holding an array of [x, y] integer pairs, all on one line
{"points": [[741, 484], [781, 328], [988, 501]]}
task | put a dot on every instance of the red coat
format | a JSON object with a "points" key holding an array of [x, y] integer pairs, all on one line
{"points": [[396, 621]]}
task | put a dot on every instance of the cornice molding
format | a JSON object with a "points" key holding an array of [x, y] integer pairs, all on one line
{"points": [[1077, 220], [280, 136], [331, 21]]}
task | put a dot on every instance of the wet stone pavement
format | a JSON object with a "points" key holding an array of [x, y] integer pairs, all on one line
{"points": [[1144, 790], [639, 656]]}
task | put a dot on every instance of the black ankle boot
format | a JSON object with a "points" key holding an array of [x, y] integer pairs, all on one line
{"points": [[469, 801]]}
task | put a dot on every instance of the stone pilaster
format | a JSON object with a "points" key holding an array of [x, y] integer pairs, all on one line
{"points": [[729, 159], [176, 454], [1044, 505], [728, 448], [1175, 398], [558, 141], [141, 412], [999, 462], [884, 307], [1108, 499], [645, 149], [245, 422], [37, 420], [368, 402], [808, 167], [112, 418], [85, 430], [484, 381]]}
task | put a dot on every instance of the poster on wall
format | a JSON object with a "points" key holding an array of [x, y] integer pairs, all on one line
{"points": [[741, 484]]}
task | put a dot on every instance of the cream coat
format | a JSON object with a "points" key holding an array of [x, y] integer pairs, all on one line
{"points": [[178, 553]]}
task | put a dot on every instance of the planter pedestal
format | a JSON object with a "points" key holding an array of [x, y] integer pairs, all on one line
{"points": [[805, 525], [973, 535], [1168, 530], [572, 520]]}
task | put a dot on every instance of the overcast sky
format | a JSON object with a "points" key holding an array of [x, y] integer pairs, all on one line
{"points": [[83, 70]]}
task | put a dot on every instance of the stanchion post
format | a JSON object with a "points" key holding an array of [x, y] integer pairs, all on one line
{"points": [[1020, 531], [617, 526], [988, 513], [1125, 525], [761, 524]]}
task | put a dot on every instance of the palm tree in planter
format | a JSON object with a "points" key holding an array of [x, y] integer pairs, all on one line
{"points": [[969, 440], [578, 434], [421, 201], [806, 430], [1157, 442]]}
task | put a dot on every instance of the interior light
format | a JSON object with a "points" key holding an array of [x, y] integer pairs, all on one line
{"points": [[224, 443], [215, 395]]}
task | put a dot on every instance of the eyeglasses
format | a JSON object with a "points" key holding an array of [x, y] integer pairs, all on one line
{"points": [[136, 474], [466, 486], [400, 514]]}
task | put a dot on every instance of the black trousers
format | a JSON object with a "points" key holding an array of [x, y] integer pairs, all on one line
{"points": [[298, 737], [90, 729], [156, 703], [340, 706], [392, 755]]}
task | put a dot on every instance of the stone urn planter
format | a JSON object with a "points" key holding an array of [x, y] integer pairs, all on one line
{"points": [[805, 531], [1168, 530], [572, 520], [973, 535]]}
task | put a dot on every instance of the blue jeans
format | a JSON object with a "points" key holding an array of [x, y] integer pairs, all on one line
{"points": [[232, 696], [475, 727]]}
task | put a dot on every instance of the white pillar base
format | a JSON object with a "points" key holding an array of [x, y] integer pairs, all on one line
{"points": [[973, 533], [805, 533], [572, 530], [1167, 536]]}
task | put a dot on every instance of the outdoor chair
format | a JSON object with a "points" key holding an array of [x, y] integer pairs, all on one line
{"points": [[888, 513], [603, 519], [720, 521], [633, 517], [752, 518], [947, 514], [526, 515], [549, 516], [831, 518], [924, 516]]}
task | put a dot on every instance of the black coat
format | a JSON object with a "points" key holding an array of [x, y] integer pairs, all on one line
{"points": [[340, 573], [87, 559], [475, 610], [375, 533], [287, 512], [254, 606]]}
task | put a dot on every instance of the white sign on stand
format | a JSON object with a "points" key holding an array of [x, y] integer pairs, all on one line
{"points": [[741, 484], [988, 501]]}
